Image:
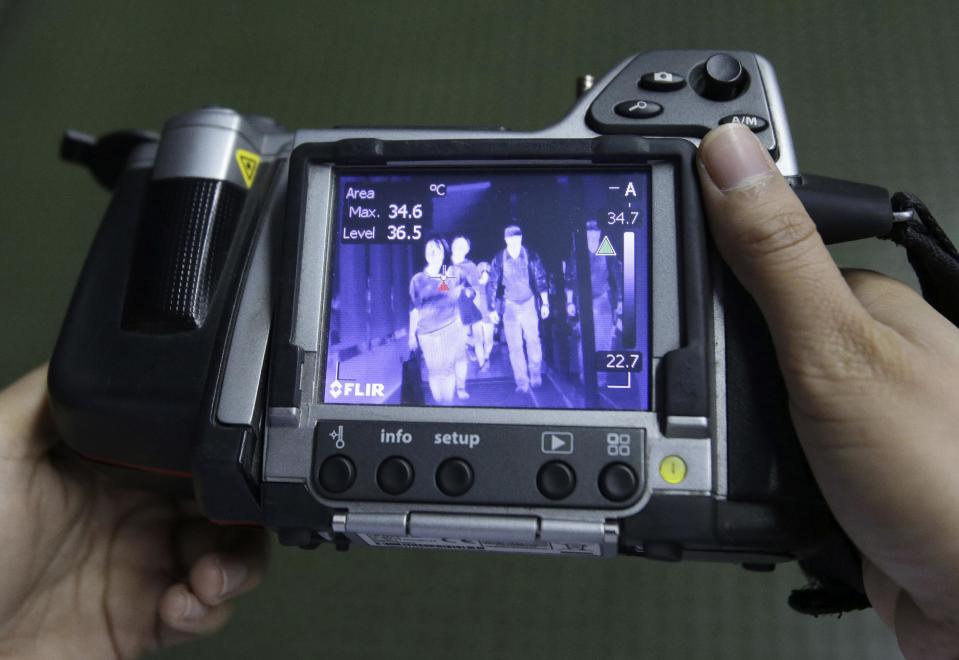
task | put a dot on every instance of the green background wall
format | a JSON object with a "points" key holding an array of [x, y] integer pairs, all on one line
{"points": [[871, 88]]}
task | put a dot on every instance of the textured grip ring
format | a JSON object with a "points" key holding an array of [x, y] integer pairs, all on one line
{"points": [[181, 247]]}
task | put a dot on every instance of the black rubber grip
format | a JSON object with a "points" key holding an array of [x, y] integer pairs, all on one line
{"points": [[184, 236], [844, 210]]}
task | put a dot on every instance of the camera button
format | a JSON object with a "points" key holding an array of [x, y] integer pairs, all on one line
{"points": [[395, 475], [661, 81], [755, 123], [720, 78], [638, 109], [337, 473], [618, 482], [673, 469], [556, 480], [454, 477]]}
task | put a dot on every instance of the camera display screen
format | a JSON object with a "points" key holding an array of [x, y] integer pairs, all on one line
{"points": [[500, 288]]}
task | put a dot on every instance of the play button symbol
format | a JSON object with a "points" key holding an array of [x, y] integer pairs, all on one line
{"points": [[557, 442]]}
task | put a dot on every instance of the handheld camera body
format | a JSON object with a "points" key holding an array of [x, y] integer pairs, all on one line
{"points": [[285, 326]]}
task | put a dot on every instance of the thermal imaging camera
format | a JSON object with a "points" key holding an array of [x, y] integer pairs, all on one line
{"points": [[450, 338]]}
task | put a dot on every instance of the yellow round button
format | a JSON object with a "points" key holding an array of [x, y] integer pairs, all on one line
{"points": [[672, 469]]}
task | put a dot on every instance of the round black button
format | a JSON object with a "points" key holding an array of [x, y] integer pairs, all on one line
{"points": [[337, 473], [454, 477], [618, 482], [395, 475], [556, 480], [721, 78], [638, 109], [724, 68]]}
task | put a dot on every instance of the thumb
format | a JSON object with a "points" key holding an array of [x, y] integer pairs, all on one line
{"points": [[26, 430], [769, 241]]}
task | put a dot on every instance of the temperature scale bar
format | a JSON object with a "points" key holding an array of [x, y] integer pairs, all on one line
{"points": [[629, 289]]}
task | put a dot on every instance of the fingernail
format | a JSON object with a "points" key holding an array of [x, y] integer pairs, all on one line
{"points": [[233, 574], [734, 157], [189, 608]]}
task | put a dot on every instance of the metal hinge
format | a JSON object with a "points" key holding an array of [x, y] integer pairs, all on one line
{"points": [[478, 527]]}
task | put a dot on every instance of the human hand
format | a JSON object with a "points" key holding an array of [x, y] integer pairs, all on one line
{"points": [[412, 341], [90, 569], [544, 311], [570, 310], [872, 373], [494, 317]]}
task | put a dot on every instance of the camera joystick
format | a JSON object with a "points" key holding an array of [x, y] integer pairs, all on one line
{"points": [[720, 78]]}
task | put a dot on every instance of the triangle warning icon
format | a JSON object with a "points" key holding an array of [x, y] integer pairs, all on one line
{"points": [[605, 248], [248, 163]]}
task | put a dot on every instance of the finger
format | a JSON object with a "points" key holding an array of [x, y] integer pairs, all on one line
{"points": [[891, 302], [222, 562], [920, 637], [881, 591], [182, 615], [769, 241], [218, 577], [196, 537], [26, 430]]}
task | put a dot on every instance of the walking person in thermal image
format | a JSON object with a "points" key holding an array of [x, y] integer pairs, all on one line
{"points": [[520, 296], [474, 313], [483, 330], [435, 324]]}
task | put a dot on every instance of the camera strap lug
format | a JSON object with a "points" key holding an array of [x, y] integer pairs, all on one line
{"points": [[903, 217], [106, 157], [931, 253]]}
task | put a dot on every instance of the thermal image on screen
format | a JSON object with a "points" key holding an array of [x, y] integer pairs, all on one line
{"points": [[505, 288]]}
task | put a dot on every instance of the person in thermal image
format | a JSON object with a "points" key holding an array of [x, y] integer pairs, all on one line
{"points": [[474, 312], [483, 330], [519, 294], [435, 324]]}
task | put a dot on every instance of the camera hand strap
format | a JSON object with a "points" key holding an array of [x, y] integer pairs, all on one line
{"points": [[932, 255], [835, 573]]}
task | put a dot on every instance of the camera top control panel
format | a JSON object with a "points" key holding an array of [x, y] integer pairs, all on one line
{"points": [[686, 94]]}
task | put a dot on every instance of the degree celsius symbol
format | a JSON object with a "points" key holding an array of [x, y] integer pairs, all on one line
{"points": [[439, 189]]}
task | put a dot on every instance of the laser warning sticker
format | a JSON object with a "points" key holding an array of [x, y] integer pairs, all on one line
{"points": [[537, 547], [248, 162]]}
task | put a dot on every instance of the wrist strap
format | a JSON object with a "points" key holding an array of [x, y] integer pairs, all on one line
{"points": [[834, 577], [835, 571], [931, 254]]}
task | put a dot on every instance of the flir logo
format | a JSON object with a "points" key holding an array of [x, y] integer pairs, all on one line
{"points": [[355, 389]]}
